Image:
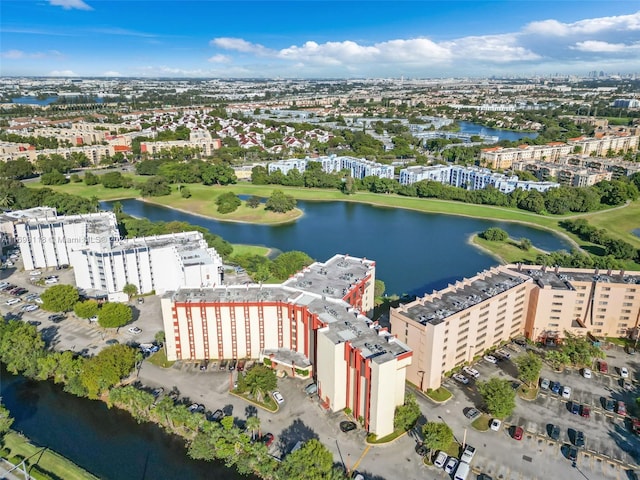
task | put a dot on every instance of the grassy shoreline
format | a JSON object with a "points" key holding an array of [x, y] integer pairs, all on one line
{"points": [[45, 461], [619, 221]]}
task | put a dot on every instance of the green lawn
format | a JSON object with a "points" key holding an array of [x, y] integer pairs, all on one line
{"points": [[241, 249], [507, 251], [159, 359], [371, 438], [47, 460], [439, 394], [481, 423]]}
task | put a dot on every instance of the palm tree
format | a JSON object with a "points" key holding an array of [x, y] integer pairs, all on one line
{"points": [[6, 200], [253, 424]]}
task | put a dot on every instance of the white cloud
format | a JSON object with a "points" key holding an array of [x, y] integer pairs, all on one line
{"points": [[588, 26], [240, 45], [70, 4], [605, 47], [219, 58], [12, 54], [111, 73], [62, 73], [548, 44], [122, 32], [20, 55]]}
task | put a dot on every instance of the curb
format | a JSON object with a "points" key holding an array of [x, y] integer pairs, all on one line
{"points": [[385, 443], [237, 395]]}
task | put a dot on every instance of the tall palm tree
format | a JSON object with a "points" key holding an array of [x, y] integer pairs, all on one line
{"points": [[253, 424]]}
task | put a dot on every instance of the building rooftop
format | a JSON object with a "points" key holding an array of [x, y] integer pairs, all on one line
{"points": [[436, 308], [561, 278], [321, 288], [333, 278]]}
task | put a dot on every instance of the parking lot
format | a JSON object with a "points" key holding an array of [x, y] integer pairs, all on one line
{"points": [[610, 446]]}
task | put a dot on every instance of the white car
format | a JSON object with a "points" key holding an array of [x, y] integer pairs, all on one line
{"points": [[30, 308], [12, 301], [586, 373], [495, 424], [441, 459], [566, 392], [134, 330], [451, 465], [38, 300], [35, 273], [544, 384], [624, 373], [50, 281], [491, 359], [460, 378], [472, 372], [504, 354], [278, 397], [4, 284]]}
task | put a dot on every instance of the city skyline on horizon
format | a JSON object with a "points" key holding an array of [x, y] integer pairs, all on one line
{"points": [[317, 39]]}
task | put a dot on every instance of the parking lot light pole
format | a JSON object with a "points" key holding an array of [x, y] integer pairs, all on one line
{"points": [[421, 373], [454, 435]]}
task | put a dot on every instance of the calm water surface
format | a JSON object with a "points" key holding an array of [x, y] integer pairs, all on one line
{"points": [[414, 252], [105, 442], [511, 135]]}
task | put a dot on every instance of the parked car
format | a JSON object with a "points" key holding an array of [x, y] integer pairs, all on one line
{"points": [[554, 432], [585, 411], [278, 397], [267, 439], [56, 317], [217, 415], [441, 459], [609, 404], [621, 408], [347, 426], [627, 385], [451, 465], [517, 433], [572, 454], [635, 426], [495, 424], [544, 384], [578, 440], [51, 281], [555, 387], [575, 408], [472, 413], [503, 354], [30, 308], [566, 392], [311, 389], [471, 372], [134, 330], [35, 273], [624, 373], [631, 350], [468, 454], [94, 319], [460, 378], [140, 300], [12, 301], [490, 359], [604, 368], [586, 373], [232, 364], [241, 364]]}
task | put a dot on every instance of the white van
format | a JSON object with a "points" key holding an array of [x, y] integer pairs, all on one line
{"points": [[462, 472]]}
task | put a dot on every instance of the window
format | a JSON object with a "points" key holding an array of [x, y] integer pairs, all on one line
{"points": [[630, 290], [622, 324], [581, 295], [599, 316], [627, 304], [602, 310], [606, 289], [554, 318], [629, 297], [553, 324], [624, 318], [558, 296], [603, 303], [604, 296], [599, 324], [556, 311], [559, 304]]}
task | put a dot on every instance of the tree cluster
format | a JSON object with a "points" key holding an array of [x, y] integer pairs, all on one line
{"points": [[192, 171], [262, 269], [494, 234], [16, 196], [617, 248], [228, 202], [280, 202], [499, 396]]}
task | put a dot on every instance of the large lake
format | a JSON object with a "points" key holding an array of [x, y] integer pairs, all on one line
{"points": [[511, 135], [414, 252]]}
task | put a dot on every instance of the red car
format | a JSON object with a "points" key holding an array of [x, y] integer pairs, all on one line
{"points": [[585, 411], [268, 439], [621, 408], [517, 433], [604, 368]]}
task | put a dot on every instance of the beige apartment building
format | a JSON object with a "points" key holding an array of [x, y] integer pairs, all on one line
{"points": [[311, 325], [498, 157], [455, 325]]}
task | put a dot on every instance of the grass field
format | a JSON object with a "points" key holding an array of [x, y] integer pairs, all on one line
{"points": [[240, 249], [47, 460], [507, 251]]}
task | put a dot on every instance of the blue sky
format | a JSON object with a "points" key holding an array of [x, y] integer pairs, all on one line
{"points": [[318, 39]]}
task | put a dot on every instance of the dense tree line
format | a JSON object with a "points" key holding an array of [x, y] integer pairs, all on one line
{"points": [[14, 195], [40, 143], [193, 171], [619, 249]]}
